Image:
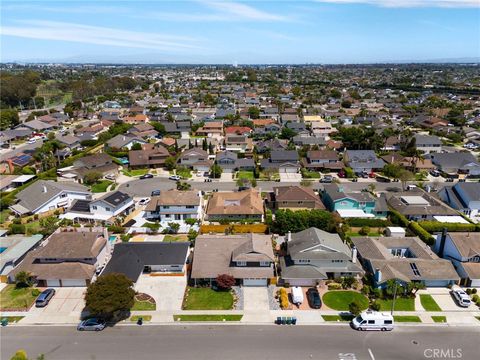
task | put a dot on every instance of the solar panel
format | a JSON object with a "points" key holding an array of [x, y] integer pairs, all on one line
{"points": [[81, 206], [21, 160]]}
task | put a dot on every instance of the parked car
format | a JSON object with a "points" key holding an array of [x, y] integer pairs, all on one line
{"points": [[144, 201], [92, 324], [297, 295], [381, 178], [461, 297], [327, 179], [31, 141], [175, 177], [44, 298], [373, 320], [155, 193], [314, 298], [146, 176], [435, 173], [110, 177]]}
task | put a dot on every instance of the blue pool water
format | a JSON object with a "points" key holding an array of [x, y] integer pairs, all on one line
{"points": [[112, 238], [2, 249]]}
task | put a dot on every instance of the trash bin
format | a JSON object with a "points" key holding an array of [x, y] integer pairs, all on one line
{"points": [[294, 321], [140, 321], [284, 320], [289, 321], [4, 322], [278, 321]]}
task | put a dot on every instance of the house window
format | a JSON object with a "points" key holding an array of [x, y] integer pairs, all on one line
{"points": [[264, 263], [190, 207], [337, 261], [362, 203], [63, 195], [303, 261], [241, 263], [94, 207], [166, 207], [167, 215], [107, 209]]}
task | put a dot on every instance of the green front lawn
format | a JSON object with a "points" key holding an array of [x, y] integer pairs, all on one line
{"points": [[337, 317], [12, 298], [101, 186], [411, 319], [143, 306], [401, 304], [207, 317], [135, 172], [12, 319], [248, 175], [175, 238], [184, 173], [144, 317], [207, 299], [310, 174], [439, 319], [273, 175], [339, 300], [429, 303]]}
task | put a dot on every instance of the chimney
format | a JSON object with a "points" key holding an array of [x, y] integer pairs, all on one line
{"points": [[378, 276], [44, 190], [289, 236], [354, 255], [442, 242]]}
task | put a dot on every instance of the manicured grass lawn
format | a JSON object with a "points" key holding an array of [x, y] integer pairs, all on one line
{"points": [[4, 214], [428, 303], [310, 174], [12, 319], [12, 298], [136, 172], [245, 175], [184, 173], [407, 319], [401, 304], [273, 176], [439, 319], [101, 186], [144, 317], [337, 317], [32, 228], [207, 317], [174, 238], [339, 300], [207, 299], [143, 306]]}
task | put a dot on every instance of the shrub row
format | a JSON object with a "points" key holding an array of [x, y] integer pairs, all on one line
{"points": [[426, 237], [359, 222], [398, 219], [282, 293], [235, 228], [435, 226]]}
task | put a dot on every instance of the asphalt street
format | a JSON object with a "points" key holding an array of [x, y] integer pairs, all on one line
{"points": [[241, 342]]}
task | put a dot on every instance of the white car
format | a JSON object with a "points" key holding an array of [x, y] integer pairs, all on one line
{"points": [[31, 141], [144, 201], [175, 177], [110, 177], [461, 296]]}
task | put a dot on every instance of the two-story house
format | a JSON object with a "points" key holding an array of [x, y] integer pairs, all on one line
{"points": [[124, 141], [293, 198], [230, 162], [151, 155], [284, 161], [322, 159], [363, 160], [175, 205], [353, 204], [235, 205], [464, 197], [248, 258], [238, 143], [314, 255], [195, 158], [69, 257], [427, 143], [463, 250], [99, 163], [456, 163], [211, 129]]}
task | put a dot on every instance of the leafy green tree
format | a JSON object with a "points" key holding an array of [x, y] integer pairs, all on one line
{"points": [[92, 177], [170, 163], [173, 227], [346, 104], [23, 279], [392, 170], [253, 112], [8, 118], [216, 171], [354, 308], [137, 146], [295, 221], [287, 133], [110, 295]]}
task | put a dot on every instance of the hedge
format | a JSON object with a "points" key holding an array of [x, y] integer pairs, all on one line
{"points": [[426, 237], [359, 222], [435, 226], [398, 219], [235, 228]]}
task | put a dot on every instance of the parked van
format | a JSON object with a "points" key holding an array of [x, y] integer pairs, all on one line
{"points": [[373, 320], [297, 295], [461, 296]]}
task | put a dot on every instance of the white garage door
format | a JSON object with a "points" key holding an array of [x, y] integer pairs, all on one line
{"points": [[254, 282], [73, 282], [301, 282], [53, 283]]}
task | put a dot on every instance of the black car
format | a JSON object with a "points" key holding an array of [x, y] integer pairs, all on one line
{"points": [[44, 298], [155, 193], [314, 298], [146, 176]]}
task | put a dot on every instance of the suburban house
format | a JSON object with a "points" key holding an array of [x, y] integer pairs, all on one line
{"points": [[238, 130], [284, 161], [69, 257], [148, 257], [230, 162], [14, 249], [293, 198], [427, 143], [409, 163], [238, 143], [175, 205], [211, 129], [353, 204], [456, 163], [463, 197], [405, 259], [419, 205], [195, 158], [271, 145], [463, 250], [238, 205], [144, 131], [248, 258], [322, 159], [151, 156], [363, 160], [314, 255], [100, 163], [124, 141], [43, 196]]}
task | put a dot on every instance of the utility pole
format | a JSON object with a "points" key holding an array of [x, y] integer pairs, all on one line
{"points": [[394, 296]]}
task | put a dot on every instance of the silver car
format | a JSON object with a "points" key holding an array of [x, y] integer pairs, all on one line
{"points": [[93, 324]]}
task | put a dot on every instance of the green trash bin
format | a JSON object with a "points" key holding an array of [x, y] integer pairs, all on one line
{"points": [[4, 322]]}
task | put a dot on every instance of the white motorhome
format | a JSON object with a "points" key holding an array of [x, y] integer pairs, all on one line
{"points": [[297, 295], [373, 320]]}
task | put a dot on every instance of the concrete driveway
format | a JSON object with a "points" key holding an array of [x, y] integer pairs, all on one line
{"points": [[290, 177], [167, 291], [255, 298], [445, 300]]}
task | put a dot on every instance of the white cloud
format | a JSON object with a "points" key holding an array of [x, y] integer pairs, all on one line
{"points": [[61, 31], [411, 3], [242, 11]]}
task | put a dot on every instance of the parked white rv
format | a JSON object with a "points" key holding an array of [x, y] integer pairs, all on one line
{"points": [[373, 320], [297, 295]]}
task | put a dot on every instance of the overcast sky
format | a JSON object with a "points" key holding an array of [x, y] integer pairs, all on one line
{"points": [[323, 31]]}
